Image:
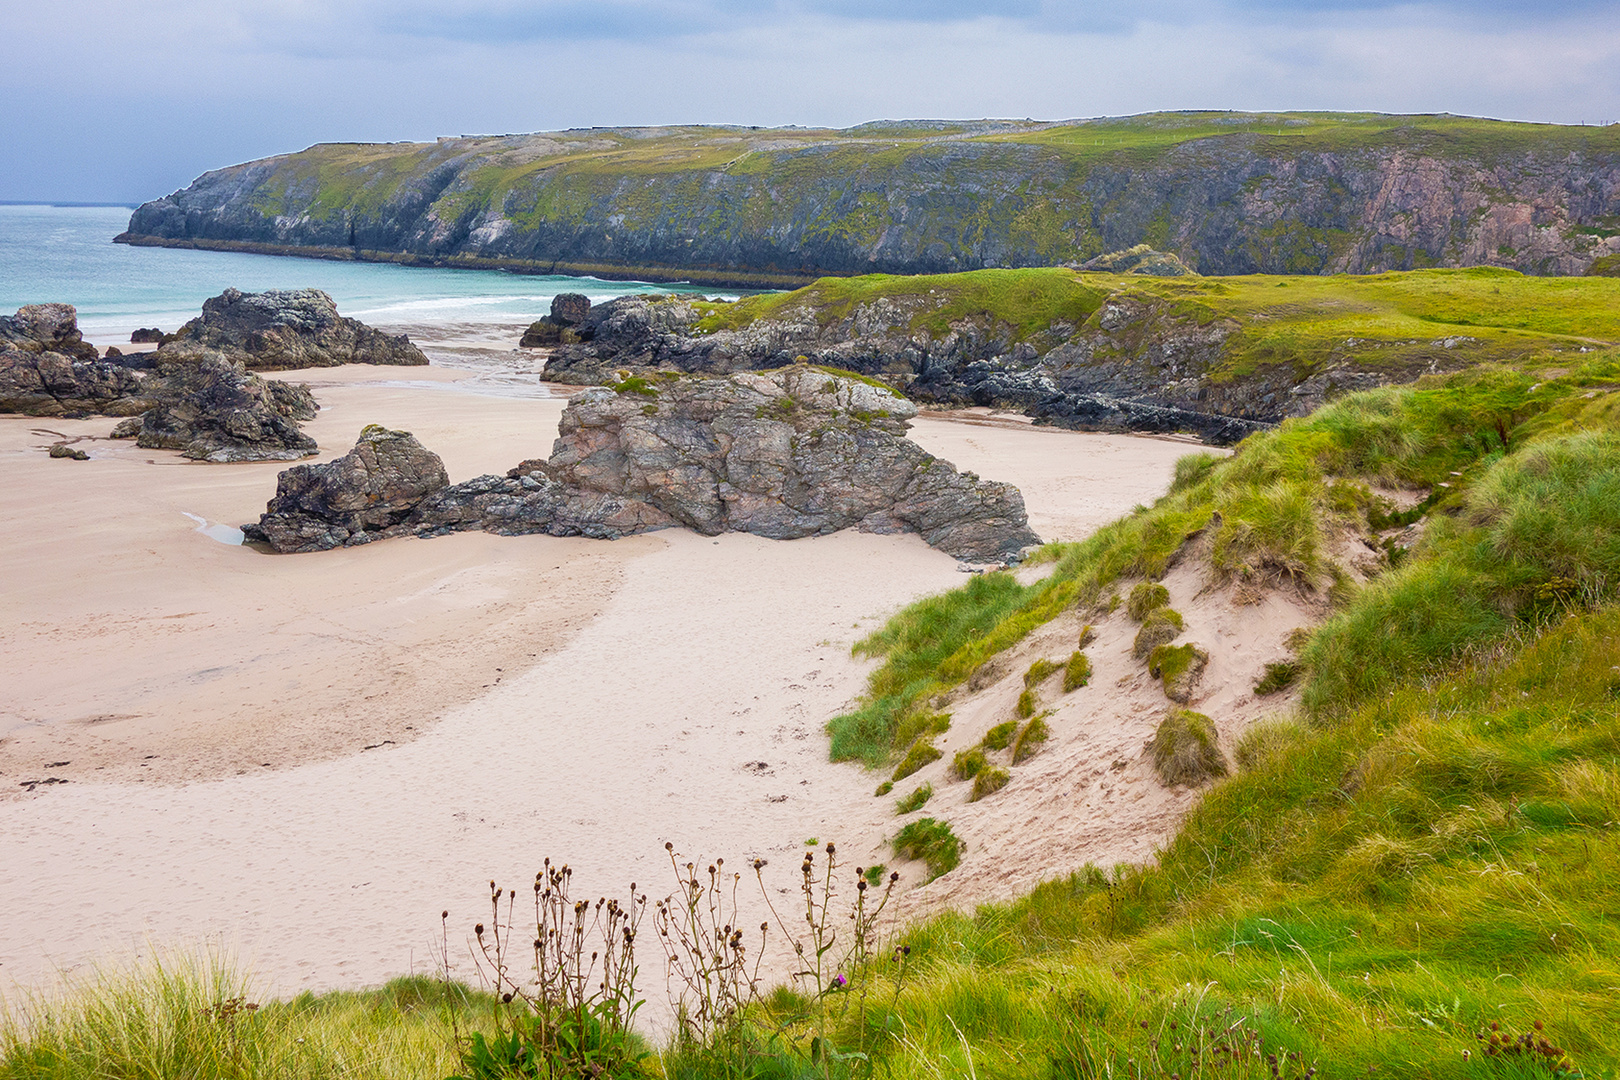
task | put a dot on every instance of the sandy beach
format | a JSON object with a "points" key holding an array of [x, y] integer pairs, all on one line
{"points": [[308, 757]]}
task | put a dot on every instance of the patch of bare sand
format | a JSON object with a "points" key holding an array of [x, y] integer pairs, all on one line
{"points": [[1073, 482], [135, 647]]}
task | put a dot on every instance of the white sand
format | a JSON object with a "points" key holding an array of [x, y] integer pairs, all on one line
{"points": [[531, 696]]}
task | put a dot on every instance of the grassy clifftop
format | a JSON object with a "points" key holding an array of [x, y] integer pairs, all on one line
{"points": [[1230, 192]]}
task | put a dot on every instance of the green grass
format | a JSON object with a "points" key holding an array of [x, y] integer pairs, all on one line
{"points": [[1285, 494], [1146, 596], [1000, 736], [1027, 301], [932, 842], [1030, 738], [915, 800], [968, 763], [1077, 672], [1185, 749], [1159, 626], [988, 781], [189, 1018]]}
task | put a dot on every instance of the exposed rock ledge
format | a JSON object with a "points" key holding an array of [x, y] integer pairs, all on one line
{"points": [[784, 454]]}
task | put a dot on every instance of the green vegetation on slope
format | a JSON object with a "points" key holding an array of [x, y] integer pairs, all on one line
{"points": [[1397, 324], [1427, 852], [1027, 301]]}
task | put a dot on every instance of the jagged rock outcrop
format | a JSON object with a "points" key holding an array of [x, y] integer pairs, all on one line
{"points": [[1227, 193], [568, 313], [782, 454], [210, 408], [288, 328], [348, 501], [146, 335], [48, 369]]}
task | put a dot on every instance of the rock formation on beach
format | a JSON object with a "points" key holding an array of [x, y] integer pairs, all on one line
{"points": [[789, 453], [568, 313], [1227, 193], [48, 369], [210, 408], [288, 328], [196, 393]]}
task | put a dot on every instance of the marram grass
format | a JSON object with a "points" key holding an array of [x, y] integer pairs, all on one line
{"points": [[188, 1017]]}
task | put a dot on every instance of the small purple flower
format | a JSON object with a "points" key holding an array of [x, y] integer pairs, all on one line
{"points": [[839, 980]]}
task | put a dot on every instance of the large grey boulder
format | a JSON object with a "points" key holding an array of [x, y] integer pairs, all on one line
{"points": [[288, 328], [367, 491], [47, 368], [794, 452]]}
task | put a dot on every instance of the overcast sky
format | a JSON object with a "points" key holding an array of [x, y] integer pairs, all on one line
{"points": [[118, 100]]}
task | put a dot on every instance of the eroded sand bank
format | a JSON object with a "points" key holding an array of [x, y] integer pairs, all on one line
{"points": [[526, 696]]}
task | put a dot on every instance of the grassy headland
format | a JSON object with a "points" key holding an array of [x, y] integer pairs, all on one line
{"points": [[1278, 192]]}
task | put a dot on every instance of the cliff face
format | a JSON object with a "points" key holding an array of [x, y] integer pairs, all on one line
{"points": [[1227, 193]]}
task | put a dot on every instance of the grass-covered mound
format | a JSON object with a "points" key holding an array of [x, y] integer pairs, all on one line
{"points": [[1418, 864], [1395, 325]]}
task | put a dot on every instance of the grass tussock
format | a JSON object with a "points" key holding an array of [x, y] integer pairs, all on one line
{"points": [[1000, 736], [1024, 707], [1146, 596], [1040, 671], [1186, 750], [1278, 677], [968, 763], [988, 781], [922, 752], [1030, 739], [932, 842], [1159, 627], [1077, 672], [915, 800]]}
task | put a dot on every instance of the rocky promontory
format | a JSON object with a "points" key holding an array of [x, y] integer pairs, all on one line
{"points": [[1143, 345], [1226, 193], [288, 328], [783, 454]]}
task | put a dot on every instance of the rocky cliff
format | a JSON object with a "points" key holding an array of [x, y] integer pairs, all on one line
{"points": [[1227, 193], [783, 454]]}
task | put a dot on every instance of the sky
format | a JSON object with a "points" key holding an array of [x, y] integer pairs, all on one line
{"points": [[110, 100]]}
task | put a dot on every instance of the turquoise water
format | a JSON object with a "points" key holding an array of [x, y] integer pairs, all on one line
{"points": [[66, 255]]}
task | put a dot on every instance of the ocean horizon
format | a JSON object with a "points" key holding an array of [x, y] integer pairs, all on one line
{"points": [[63, 253]]}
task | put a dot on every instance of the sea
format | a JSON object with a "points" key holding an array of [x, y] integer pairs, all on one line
{"points": [[65, 254]]}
